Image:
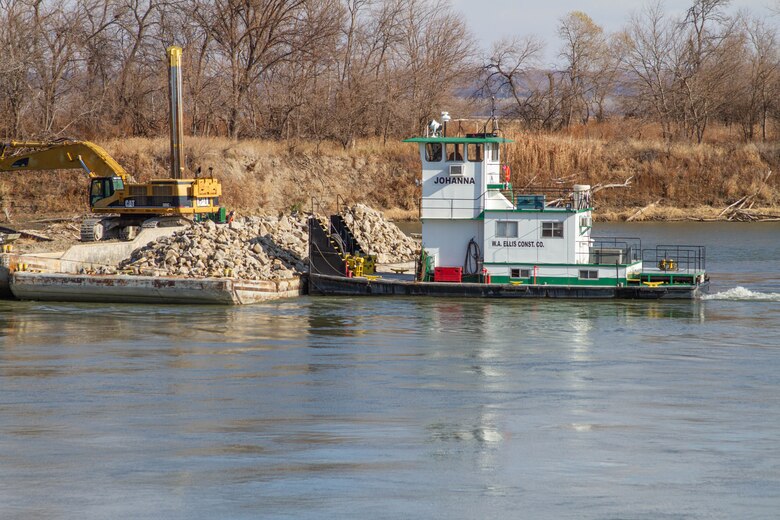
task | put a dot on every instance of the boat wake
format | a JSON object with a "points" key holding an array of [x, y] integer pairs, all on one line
{"points": [[740, 293]]}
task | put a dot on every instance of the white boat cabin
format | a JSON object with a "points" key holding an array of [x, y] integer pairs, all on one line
{"points": [[521, 238]]}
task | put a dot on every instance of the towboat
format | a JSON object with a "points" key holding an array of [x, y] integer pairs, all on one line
{"points": [[481, 237]]}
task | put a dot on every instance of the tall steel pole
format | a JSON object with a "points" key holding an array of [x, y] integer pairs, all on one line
{"points": [[177, 112]]}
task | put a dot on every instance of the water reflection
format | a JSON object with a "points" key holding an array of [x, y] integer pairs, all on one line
{"points": [[388, 408]]}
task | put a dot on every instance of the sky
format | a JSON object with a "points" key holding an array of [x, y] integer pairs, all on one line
{"points": [[490, 20]]}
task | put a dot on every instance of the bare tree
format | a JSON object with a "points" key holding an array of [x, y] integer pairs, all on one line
{"points": [[251, 37], [512, 70], [707, 62], [54, 44], [436, 55], [15, 20], [650, 51], [584, 46]]}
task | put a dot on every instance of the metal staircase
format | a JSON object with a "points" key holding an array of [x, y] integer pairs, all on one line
{"points": [[326, 252]]}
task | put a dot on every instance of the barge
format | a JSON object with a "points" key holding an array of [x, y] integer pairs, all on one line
{"points": [[483, 238]]}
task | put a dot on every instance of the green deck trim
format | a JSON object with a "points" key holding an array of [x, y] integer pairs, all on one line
{"points": [[499, 187], [455, 140], [545, 210], [559, 280], [524, 265]]}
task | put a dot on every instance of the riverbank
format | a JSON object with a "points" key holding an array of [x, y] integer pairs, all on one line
{"points": [[260, 177]]}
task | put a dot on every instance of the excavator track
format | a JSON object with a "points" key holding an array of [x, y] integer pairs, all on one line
{"points": [[156, 222], [95, 229], [88, 229]]}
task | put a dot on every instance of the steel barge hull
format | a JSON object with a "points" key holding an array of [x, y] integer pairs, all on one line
{"points": [[330, 285]]}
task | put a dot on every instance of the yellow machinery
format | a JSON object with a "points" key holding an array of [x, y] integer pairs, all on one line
{"points": [[110, 193], [124, 207]]}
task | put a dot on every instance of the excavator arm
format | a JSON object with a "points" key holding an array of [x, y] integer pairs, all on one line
{"points": [[59, 155]]}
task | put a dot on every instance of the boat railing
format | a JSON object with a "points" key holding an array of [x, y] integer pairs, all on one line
{"points": [[453, 207], [675, 258], [614, 250], [539, 198]]}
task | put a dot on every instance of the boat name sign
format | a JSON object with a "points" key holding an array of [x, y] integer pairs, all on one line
{"points": [[453, 180], [516, 243]]}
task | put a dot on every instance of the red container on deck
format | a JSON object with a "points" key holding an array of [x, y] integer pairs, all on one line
{"points": [[448, 274]]}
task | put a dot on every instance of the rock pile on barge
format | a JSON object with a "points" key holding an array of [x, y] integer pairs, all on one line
{"points": [[253, 248], [378, 236], [259, 248]]}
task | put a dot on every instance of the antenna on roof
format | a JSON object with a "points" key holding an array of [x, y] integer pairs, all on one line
{"points": [[493, 119], [445, 118]]}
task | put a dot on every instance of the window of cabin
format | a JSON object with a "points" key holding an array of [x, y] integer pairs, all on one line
{"points": [[491, 151], [520, 273], [552, 229], [506, 229], [474, 152], [433, 152], [588, 274], [454, 151]]}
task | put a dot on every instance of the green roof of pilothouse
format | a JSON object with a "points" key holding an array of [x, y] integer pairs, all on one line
{"points": [[466, 140]]}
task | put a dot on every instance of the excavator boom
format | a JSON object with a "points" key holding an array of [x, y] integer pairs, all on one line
{"points": [[121, 207], [59, 155]]}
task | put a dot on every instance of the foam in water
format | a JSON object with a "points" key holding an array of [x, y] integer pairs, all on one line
{"points": [[740, 293]]}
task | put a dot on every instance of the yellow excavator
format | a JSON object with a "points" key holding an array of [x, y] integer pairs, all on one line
{"points": [[122, 207]]}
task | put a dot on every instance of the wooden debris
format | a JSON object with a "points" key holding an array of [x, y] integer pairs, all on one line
{"points": [[55, 220], [598, 187], [641, 211], [739, 211], [28, 233]]}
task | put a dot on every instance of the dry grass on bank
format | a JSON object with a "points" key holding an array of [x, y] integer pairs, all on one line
{"points": [[271, 176], [678, 174]]}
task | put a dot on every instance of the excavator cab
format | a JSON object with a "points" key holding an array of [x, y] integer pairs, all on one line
{"points": [[103, 187]]}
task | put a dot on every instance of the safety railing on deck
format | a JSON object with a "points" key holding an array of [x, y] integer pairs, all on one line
{"points": [[614, 250], [675, 258]]}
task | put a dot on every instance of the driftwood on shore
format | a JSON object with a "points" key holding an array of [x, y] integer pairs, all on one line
{"points": [[598, 187], [641, 211], [740, 211]]}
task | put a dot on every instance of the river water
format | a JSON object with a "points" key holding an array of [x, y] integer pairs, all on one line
{"points": [[404, 408]]}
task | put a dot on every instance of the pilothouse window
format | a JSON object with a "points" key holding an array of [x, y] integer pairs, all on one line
{"points": [[491, 151], [454, 152], [474, 152], [433, 152]]}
